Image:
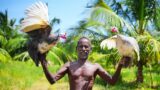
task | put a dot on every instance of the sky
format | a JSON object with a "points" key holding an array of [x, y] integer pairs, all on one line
{"points": [[68, 11]]}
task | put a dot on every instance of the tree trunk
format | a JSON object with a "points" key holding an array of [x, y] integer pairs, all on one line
{"points": [[139, 72]]}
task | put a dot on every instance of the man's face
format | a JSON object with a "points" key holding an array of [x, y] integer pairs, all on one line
{"points": [[83, 48]]}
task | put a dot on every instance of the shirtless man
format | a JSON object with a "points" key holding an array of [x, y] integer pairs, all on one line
{"points": [[82, 73]]}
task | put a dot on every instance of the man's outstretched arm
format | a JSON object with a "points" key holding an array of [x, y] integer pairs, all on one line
{"points": [[50, 77], [111, 79]]}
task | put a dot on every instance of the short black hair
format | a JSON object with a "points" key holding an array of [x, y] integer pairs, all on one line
{"points": [[84, 38]]}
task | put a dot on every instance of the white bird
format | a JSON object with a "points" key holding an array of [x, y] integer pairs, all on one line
{"points": [[127, 46]]}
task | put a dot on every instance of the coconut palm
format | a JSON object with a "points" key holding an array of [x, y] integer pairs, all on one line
{"points": [[141, 14], [11, 41], [138, 15]]}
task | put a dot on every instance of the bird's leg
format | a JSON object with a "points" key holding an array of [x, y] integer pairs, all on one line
{"points": [[126, 61]]}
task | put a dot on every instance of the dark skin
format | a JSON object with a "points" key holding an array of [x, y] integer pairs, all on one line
{"points": [[82, 73]]}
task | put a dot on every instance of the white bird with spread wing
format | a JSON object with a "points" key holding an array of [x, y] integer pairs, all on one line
{"points": [[127, 46], [36, 17]]}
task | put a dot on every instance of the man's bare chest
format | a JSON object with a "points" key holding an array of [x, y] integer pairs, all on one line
{"points": [[82, 72]]}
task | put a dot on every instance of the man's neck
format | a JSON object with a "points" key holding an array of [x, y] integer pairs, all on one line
{"points": [[82, 61]]}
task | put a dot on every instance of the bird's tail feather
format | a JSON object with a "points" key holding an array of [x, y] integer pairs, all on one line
{"points": [[36, 17]]}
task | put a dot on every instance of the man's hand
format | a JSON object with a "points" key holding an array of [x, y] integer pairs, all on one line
{"points": [[125, 61]]}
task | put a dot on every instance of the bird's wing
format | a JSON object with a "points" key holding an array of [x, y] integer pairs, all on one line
{"points": [[32, 50], [133, 43], [36, 17], [109, 43]]}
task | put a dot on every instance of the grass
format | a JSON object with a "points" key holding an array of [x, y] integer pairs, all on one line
{"points": [[17, 75]]}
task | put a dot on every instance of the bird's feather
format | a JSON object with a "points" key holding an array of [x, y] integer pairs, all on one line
{"points": [[132, 44], [36, 17], [126, 45], [109, 43]]}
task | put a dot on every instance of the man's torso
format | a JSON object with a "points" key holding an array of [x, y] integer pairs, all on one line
{"points": [[81, 77]]}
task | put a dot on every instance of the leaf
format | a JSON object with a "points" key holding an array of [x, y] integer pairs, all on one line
{"points": [[15, 43], [4, 56], [3, 40], [58, 56], [22, 56], [107, 18]]}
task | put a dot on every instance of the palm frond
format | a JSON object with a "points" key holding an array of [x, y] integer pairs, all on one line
{"points": [[149, 48], [3, 41], [154, 50], [53, 57], [55, 21], [58, 56], [22, 56], [4, 55], [107, 18], [15, 43], [86, 29]]}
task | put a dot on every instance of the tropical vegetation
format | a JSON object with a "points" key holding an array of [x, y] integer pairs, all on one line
{"points": [[136, 18]]}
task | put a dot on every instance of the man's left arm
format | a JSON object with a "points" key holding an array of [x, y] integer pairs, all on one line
{"points": [[107, 77]]}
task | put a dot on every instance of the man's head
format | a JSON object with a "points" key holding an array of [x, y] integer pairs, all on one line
{"points": [[83, 48]]}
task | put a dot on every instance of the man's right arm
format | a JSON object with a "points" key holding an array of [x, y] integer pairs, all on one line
{"points": [[48, 75], [53, 78]]}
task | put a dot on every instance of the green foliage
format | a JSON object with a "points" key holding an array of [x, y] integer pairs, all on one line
{"points": [[157, 17], [54, 21], [4, 55], [148, 7], [3, 41], [14, 44], [6, 25], [24, 56], [149, 49], [107, 59], [11, 40], [106, 18], [96, 27], [58, 56]]}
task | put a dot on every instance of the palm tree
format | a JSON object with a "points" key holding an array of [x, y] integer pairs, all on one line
{"points": [[138, 15], [11, 40], [141, 14], [5, 56]]}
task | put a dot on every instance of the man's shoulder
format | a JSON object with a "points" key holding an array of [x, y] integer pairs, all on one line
{"points": [[70, 63], [96, 65], [67, 64]]}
